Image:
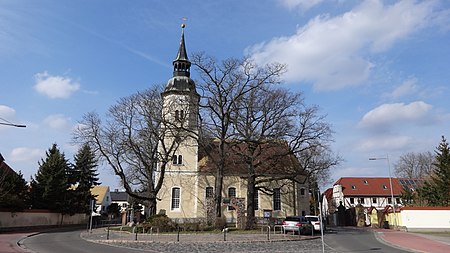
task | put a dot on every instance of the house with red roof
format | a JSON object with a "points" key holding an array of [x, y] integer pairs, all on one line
{"points": [[371, 191]]}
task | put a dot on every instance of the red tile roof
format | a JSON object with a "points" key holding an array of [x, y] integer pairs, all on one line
{"points": [[328, 193], [268, 158], [375, 186]]}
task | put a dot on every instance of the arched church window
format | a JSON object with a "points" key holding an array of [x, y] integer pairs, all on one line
{"points": [[231, 194], [175, 202], [276, 198], [256, 200], [209, 192]]}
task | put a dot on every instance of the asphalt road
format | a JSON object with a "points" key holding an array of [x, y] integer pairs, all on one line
{"points": [[68, 242], [347, 239], [339, 240]]}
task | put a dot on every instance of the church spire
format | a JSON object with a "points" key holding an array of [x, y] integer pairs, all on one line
{"points": [[181, 65], [181, 81]]}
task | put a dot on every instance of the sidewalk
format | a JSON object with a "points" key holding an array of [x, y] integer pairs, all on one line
{"points": [[8, 241], [414, 241]]}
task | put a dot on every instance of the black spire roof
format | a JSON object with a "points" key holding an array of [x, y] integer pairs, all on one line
{"points": [[181, 65], [181, 81]]}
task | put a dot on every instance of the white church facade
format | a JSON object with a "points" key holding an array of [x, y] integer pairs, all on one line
{"points": [[189, 181]]}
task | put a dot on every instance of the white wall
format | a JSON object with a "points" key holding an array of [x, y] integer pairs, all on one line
{"points": [[425, 220]]}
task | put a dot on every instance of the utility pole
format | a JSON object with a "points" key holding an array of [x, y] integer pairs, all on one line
{"points": [[390, 185]]}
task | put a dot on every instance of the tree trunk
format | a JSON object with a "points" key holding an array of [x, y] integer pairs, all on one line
{"points": [[251, 191], [218, 192], [218, 198], [152, 206], [219, 186]]}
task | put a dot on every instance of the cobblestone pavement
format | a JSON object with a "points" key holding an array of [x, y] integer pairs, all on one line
{"points": [[214, 243]]}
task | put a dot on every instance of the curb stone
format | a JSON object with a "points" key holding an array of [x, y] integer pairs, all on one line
{"points": [[380, 238]]}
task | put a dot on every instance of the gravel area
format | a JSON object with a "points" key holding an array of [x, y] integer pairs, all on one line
{"points": [[209, 242]]}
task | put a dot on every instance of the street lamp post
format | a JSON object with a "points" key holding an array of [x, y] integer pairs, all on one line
{"points": [[390, 183]]}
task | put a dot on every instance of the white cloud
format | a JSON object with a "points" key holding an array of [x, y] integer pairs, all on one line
{"points": [[333, 52], [387, 115], [408, 87], [385, 143], [26, 154], [300, 4], [7, 112], [56, 121], [55, 86]]}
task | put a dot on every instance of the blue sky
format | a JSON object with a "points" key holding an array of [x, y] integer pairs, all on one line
{"points": [[379, 70]]}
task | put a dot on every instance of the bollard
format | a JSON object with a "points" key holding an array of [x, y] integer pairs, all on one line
{"points": [[136, 230], [107, 235], [178, 234], [268, 233], [225, 230]]}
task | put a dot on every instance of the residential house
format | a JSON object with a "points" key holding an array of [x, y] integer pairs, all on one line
{"points": [[121, 198], [102, 199], [188, 188], [371, 191]]}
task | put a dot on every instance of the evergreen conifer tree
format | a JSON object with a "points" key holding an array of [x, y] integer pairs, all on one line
{"points": [[13, 191], [49, 188], [437, 190], [84, 176]]}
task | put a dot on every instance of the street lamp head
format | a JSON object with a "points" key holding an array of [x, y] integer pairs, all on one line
{"points": [[377, 158], [11, 124]]}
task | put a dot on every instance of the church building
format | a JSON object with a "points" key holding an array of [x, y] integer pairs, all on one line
{"points": [[188, 190]]}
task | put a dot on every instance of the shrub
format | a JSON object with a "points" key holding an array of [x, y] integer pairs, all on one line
{"points": [[195, 225], [161, 222]]}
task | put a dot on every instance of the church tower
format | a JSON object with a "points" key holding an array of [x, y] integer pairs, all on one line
{"points": [[180, 112], [179, 193]]}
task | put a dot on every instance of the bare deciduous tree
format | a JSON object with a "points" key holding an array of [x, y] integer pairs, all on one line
{"points": [[222, 84], [132, 142], [243, 112], [275, 125], [415, 165]]}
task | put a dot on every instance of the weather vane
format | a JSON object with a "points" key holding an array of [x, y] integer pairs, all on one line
{"points": [[183, 25]]}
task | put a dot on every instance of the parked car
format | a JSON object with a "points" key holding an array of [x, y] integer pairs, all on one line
{"points": [[314, 220], [297, 224]]}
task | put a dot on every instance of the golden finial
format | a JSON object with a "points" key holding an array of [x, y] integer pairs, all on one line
{"points": [[183, 25]]}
